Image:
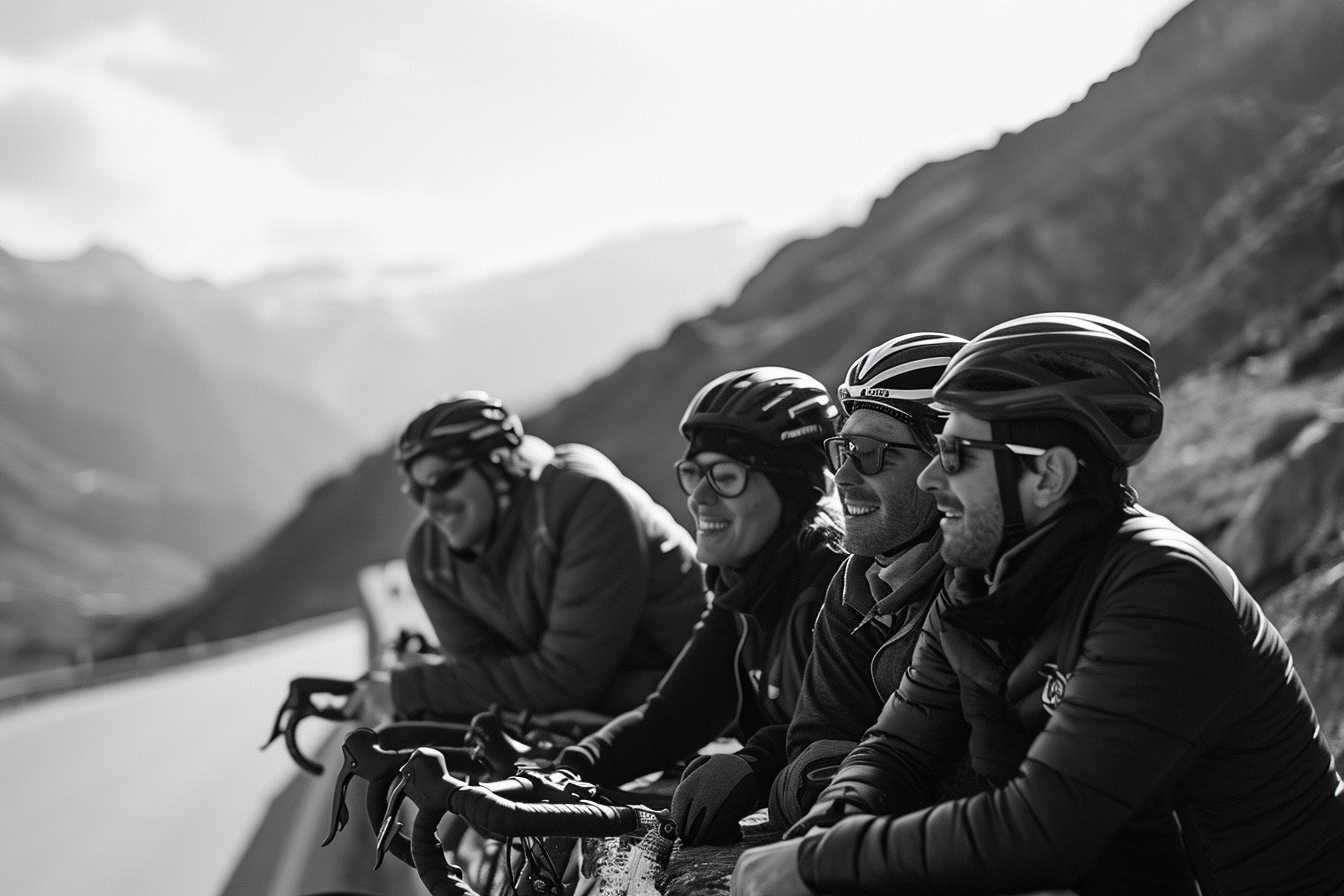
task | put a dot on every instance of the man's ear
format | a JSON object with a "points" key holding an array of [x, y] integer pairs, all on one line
{"points": [[1056, 470]]}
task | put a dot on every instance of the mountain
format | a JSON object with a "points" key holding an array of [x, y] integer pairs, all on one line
{"points": [[153, 429], [127, 467], [375, 349], [1197, 194]]}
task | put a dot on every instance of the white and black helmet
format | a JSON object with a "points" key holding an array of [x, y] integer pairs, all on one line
{"points": [[897, 377], [467, 426]]}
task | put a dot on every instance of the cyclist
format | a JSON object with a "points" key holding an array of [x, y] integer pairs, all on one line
{"points": [[755, 477], [1138, 715], [552, 581], [874, 609]]}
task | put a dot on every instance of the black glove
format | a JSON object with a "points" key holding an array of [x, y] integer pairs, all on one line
{"points": [[577, 759], [714, 794], [802, 781], [825, 813]]}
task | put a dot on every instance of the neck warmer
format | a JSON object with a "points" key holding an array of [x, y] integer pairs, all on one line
{"points": [[1013, 604]]}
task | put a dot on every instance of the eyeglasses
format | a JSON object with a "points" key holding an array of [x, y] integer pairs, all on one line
{"points": [[439, 484], [728, 478], [868, 454], [950, 447]]}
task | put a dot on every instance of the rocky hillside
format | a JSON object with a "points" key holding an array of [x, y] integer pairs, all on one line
{"points": [[1197, 194]]}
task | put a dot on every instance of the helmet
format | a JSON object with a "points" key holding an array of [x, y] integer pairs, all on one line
{"points": [[1079, 368], [896, 378], [463, 426], [776, 409]]}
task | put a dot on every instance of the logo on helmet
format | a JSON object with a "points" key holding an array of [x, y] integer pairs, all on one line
{"points": [[800, 431]]}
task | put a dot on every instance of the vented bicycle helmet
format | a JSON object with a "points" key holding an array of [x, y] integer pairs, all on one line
{"points": [[466, 426], [1080, 368], [897, 377], [775, 408]]}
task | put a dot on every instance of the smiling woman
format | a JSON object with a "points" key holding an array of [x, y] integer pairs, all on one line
{"points": [[755, 479]]}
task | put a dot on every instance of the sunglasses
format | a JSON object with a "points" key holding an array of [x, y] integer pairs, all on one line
{"points": [[439, 484], [868, 454], [728, 478], [950, 450]]}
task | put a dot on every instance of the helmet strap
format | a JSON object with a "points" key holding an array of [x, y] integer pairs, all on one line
{"points": [[1009, 474]]}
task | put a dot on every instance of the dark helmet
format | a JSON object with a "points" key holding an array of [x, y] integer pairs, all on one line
{"points": [[464, 426], [896, 378], [771, 418], [1079, 368], [777, 411]]}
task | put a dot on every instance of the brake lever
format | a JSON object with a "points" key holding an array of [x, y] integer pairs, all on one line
{"points": [[425, 780], [298, 704], [391, 827], [359, 741], [494, 746]]}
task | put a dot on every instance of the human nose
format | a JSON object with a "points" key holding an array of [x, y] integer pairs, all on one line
{"points": [[703, 493], [848, 470], [932, 477]]}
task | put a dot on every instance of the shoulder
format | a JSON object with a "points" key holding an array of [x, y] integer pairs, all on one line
{"points": [[1147, 544]]}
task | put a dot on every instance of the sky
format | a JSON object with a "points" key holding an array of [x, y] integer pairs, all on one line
{"points": [[230, 139]]}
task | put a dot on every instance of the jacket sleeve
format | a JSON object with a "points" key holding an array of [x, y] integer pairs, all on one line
{"points": [[838, 700], [917, 738], [693, 705], [597, 599], [1161, 659]]}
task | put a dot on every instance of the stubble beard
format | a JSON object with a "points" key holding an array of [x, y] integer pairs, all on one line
{"points": [[975, 540]]}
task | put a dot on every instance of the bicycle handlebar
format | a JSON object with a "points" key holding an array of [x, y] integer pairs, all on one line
{"points": [[501, 809], [299, 705], [372, 756]]}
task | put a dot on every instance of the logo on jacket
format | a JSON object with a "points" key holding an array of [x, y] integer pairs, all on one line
{"points": [[1052, 693], [771, 690]]}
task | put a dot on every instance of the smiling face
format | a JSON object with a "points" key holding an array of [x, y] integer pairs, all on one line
{"points": [[886, 509], [463, 513], [969, 499], [729, 531]]}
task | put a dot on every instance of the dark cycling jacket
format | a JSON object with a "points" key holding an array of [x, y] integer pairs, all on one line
{"points": [[1144, 725], [864, 637], [582, 599], [739, 674]]}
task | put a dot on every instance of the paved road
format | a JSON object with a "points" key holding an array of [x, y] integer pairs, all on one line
{"points": [[153, 787]]}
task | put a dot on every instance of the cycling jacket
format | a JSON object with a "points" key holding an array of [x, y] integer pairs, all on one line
{"points": [[865, 634], [1139, 715], [740, 673], [582, 599]]}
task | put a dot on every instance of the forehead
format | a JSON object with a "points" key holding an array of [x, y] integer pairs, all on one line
{"points": [[705, 458], [876, 425], [426, 466], [962, 424]]}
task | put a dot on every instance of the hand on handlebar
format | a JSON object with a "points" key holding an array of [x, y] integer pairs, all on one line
{"points": [[371, 703]]}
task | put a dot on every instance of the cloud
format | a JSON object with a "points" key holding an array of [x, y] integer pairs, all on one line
{"points": [[89, 153], [45, 142], [142, 44]]}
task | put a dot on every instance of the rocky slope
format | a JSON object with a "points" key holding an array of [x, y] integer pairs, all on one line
{"points": [[1197, 194]]}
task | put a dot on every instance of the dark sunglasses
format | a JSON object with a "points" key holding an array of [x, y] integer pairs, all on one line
{"points": [[728, 478], [440, 484], [950, 450], [868, 454]]}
